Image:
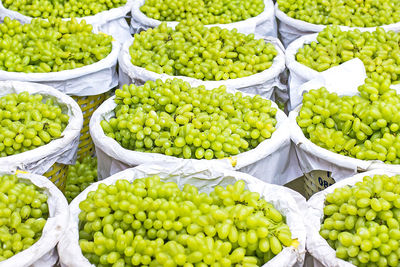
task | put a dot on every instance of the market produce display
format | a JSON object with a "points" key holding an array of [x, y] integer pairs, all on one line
{"points": [[361, 222], [50, 46], [379, 50], [363, 126], [208, 12], [23, 215], [347, 13], [29, 121], [80, 176], [149, 222], [203, 53], [61, 8], [175, 119]]}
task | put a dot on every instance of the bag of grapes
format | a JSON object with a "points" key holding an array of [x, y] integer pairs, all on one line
{"points": [[34, 216], [239, 61], [193, 214], [177, 125], [252, 16], [44, 127], [355, 221], [105, 18], [297, 20]]}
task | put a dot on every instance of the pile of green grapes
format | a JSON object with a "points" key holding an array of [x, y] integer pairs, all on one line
{"points": [[378, 50], [61, 8], [23, 215], [203, 53], [362, 221], [176, 120], [364, 126], [80, 176], [50, 46], [28, 122], [207, 11], [348, 13], [152, 223]]}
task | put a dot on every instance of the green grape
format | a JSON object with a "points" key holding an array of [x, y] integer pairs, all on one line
{"points": [[368, 239], [179, 227], [347, 13], [195, 51], [50, 46], [61, 8], [208, 12], [80, 176], [20, 227], [202, 123], [378, 50], [29, 121]]}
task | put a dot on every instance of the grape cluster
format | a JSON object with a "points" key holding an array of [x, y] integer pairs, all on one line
{"points": [[362, 221], [50, 46], [363, 126], [207, 11], [174, 119], [23, 214], [378, 50], [61, 8], [152, 223], [353, 13], [203, 53], [80, 176], [27, 122]]}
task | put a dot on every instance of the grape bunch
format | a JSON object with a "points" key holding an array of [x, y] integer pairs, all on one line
{"points": [[198, 52], [80, 176], [207, 11], [348, 13], [50, 46], [61, 8], [29, 121], [176, 120], [361, 222], [152, 223], [23, 215], [364, 126], [378, 50]]}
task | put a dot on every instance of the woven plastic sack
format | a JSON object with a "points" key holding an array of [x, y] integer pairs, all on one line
{"points": [[323, 254], [111, 21], [264, 83], [43, 252], [264, 24], [290, 29], [61, 150], [272, 161], [205, 178]]}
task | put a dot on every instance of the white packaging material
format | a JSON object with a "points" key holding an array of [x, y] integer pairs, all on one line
{"points": [[263, 83], [205, 178], [323, 254], [272, 161], [290, 29], [61, 150], [111, 21], [264, 24], [43, 252]]}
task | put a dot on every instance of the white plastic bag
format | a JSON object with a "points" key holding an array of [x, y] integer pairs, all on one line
{"points": [[43, 252], [263, 83], [264, 24], [61, 150], [272, 161], [205, 178], [290, 29], [317, 246], [110, 21]]}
